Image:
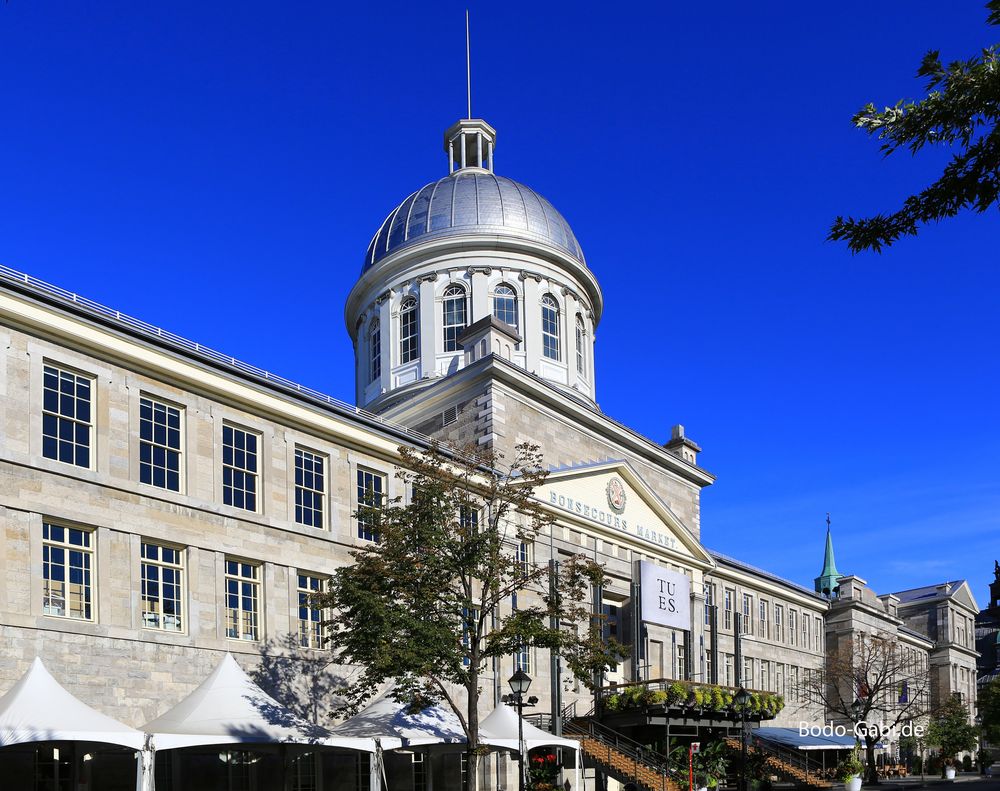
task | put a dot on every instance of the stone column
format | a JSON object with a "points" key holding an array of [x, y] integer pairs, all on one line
{"points": [[532, 331], [428, 327], [480, 306]]}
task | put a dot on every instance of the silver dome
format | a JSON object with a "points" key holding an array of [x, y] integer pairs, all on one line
{"points": [[472, 201]]}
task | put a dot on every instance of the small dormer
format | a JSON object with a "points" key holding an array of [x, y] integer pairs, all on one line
{"points": [[488, 336], [682, 446]]}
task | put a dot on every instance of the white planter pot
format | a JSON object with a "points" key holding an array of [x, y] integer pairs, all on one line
{"points": [[949, 773], [854, 784]]}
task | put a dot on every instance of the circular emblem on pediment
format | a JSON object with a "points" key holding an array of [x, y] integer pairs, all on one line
{"points": [[616, 495]]}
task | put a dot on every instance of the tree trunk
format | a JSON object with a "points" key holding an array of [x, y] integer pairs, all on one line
{"points": [[472, 722], [871, 775]]}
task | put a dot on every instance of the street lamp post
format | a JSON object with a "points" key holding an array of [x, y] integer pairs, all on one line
{"points": [[741, 698], [519, 683], [979, 740], [857, 709]]}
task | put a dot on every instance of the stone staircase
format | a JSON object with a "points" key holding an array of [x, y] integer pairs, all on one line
{"points": [[620, 757], [784, 768]]}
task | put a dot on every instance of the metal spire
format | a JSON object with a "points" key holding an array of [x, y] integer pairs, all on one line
{"points": [[826, 582], [468, 65]]}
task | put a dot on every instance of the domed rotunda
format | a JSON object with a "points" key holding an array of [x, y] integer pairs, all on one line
{"points": [[470, 265]]}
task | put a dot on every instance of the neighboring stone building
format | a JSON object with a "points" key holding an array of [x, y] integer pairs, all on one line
{"points": [[988, 633], [161, 503]]}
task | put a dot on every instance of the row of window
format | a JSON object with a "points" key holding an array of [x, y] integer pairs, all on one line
{"points": [[768, 622], [69, 589], [68, 437], [454, 320]]}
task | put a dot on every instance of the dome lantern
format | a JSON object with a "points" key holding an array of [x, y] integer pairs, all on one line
{"points": [[469, 144]]}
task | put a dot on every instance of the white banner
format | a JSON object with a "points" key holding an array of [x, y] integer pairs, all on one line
{"points": [[666, 596]]}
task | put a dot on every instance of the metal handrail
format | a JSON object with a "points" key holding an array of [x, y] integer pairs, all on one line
{"points": [[636, 751]]}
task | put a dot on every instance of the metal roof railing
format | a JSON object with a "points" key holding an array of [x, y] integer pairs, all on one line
{"points": [[170, 339]]}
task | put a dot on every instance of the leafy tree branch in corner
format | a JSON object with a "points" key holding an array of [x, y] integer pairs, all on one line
{"points": [[961, 110]]}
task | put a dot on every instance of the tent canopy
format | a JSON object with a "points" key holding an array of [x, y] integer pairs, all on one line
{"points": [[791, 737], [389, 721], [499, 729], [228, 707], [38, 709]]}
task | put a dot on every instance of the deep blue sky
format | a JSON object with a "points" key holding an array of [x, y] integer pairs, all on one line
{"points": [[219, 168]]}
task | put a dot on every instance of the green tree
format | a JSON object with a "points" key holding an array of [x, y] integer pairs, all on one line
{"points": [[950, 729], [429, 605], [961, 109], [989, 709], [870, 680]]}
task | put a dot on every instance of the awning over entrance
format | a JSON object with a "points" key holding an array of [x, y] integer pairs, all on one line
{"points": [[229, 708], [38, 709], [792, 738]]}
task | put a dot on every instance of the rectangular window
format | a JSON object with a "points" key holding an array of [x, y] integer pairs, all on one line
{"points": [[681, 670], [727, 608], [762, 616], [310, 487], [805, 631], [524, 558], [162, 588], [793, 682], [242, 600], [709, 602], [371, 496], [765, 675], [310, 616], [522, 659], [304, 775], [364, 772], [470, 622], [67, 572], [159, 444], [747, 613], [747, 680], [779, 623], [67, 416], [792, 626], [610, 625], [419, 762], [728, 680], [240, 467]]}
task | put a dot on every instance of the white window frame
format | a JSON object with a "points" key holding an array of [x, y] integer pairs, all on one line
{"points": [[409, 330], [453, 322], [581, 334], [236, 618], [87, 566], [551, 335], [310, 633], [374, 350], [165, 446], [366, 531], [245, 470], [54, 413], [317, 491], [504, 298], [158, 619]]}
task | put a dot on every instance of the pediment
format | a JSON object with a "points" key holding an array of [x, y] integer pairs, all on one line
{"points": [[612, 499], [963, 594]]}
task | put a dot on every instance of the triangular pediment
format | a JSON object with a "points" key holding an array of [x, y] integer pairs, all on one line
{"points": [[612, 499], [963, 594]]}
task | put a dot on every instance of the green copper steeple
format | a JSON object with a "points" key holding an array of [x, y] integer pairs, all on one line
{"points": [[826, 582]]}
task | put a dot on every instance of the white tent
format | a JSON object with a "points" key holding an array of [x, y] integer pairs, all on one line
{"points": [[499, 729], [38, 709], [388, 721], [229, 708]]}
